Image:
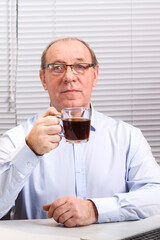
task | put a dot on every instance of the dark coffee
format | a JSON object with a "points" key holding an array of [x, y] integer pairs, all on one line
{"points": [[76, 128]]}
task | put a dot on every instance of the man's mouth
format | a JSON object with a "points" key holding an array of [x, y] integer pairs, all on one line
{"points": [[70, 91]]}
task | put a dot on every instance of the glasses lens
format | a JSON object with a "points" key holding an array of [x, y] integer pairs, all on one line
{"points": [[57, 68], [80, 68]]}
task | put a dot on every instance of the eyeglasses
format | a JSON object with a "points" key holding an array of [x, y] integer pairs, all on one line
{"points": [[78, 68]]}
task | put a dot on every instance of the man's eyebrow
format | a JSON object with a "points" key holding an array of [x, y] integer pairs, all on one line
{"points": [[58, 61], [80, 59]]}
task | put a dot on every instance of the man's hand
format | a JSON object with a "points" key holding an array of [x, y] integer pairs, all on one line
{"points": [[44, 135], [72, 211]]}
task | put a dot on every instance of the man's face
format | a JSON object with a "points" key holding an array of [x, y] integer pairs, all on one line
{"points": [[69, 89]]}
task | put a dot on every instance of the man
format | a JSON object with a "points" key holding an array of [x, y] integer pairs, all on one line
{"points": [[112, 177]]}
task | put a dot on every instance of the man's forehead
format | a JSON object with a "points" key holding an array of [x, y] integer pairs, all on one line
{"points": [[69, 47]]}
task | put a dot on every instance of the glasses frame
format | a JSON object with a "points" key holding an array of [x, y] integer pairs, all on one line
{"points": [[68, 65]]}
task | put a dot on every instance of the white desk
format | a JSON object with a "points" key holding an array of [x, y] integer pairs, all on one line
{"points": [[47, 229]]}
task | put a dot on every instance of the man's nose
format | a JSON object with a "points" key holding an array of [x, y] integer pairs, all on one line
{"points": [[69, 74]]}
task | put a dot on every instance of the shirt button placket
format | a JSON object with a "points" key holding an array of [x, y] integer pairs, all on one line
{"points": [[80, 171]]}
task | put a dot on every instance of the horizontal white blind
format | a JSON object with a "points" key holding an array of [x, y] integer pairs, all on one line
{"points": [[146, 70], [36, 27], [8, 51], [125, 34]]}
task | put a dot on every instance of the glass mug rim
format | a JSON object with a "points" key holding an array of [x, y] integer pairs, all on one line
{"points": [[75, 108]]}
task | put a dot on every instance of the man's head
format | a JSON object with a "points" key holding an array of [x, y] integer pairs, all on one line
{"points": [[69, 85]]}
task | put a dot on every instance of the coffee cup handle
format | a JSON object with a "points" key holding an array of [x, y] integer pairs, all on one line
{"points": [[60, 118]]}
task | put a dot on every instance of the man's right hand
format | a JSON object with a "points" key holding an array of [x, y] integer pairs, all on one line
{"points": [[44, 135]]}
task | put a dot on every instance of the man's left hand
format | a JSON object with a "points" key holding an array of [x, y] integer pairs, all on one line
{"points": [[72, 211]]}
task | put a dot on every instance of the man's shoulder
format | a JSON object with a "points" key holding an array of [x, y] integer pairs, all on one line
{"points": [[103, 119], [21, 130], [125, 134]]}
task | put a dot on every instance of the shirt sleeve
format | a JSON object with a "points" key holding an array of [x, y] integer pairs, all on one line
{"points": [[129, 206], [108, 209], [143, 182], [16, 165]]}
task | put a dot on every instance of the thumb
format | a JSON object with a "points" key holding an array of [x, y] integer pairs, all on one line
{"points": [[51, 111], [46, 207]]}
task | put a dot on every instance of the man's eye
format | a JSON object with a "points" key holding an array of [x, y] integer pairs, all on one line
{"points": [[79, 66], [57, 68]]}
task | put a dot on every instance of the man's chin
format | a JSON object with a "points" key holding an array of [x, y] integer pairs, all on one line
{"points": [[68, 104], [72, 104]]}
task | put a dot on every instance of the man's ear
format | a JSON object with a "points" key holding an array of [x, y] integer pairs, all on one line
{"points": [[96, 72], [43, 80]]}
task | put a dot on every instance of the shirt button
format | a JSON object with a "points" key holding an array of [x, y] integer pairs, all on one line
{"points": [[29, 164], [79, 170], [108, 220]]}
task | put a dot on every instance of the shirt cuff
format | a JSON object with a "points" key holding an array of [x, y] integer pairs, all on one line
{"points": [[24, 159], [108, 209]]}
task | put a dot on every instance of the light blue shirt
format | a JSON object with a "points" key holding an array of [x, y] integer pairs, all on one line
{"points": [[115, 169]]}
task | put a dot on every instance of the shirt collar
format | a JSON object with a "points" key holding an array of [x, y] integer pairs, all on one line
{"points": [[93, 122]]}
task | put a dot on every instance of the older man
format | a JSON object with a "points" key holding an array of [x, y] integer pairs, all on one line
{"points": [[112, 177]]}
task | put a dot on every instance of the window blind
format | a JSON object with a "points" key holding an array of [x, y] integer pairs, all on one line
{"points": [[8, 47], [125, 35], [36, 28]]}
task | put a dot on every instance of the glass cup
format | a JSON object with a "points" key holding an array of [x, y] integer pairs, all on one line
{"points": [[76, 124]]}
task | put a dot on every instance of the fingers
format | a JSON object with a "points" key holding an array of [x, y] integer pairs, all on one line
{"points": [[55, 205], [48, 120], [51, 111], [52, 206], [59, 211], [52, 129], [60, 214], [46, 207], [72, 222]]}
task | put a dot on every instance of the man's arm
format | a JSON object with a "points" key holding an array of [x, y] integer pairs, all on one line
{"points": [[18, 159], [143, 182], [15, 168]]}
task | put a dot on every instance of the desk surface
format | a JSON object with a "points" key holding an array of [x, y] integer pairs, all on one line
{"points": [[47, 229]]}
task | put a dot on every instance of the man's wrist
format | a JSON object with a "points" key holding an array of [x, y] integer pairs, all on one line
{"points": [[95, 211]]}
